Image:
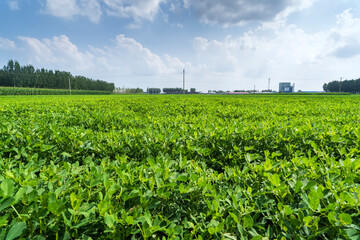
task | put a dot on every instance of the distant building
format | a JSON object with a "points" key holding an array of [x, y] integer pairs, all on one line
{"points": [[286, 87]]}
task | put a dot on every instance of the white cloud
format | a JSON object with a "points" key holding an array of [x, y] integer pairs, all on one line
{"points": [[295, 6], [278, 50], [145, 61], [128, 56], [286, 53], [345, 36], [125, 58], [136, 9], [13, 5], [62, 8], [207, 50], [58, 52], [68, 9], [7, 44], [229, 12], [91, 9], [238, 12]]}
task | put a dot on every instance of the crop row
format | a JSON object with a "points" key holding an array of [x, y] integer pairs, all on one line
{"points": [[175, 167]]}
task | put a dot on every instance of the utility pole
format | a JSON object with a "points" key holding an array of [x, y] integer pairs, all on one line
{"points": [[70, 86], [184, 81]]}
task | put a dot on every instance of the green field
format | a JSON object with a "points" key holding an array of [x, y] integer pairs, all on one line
{"points": [[179, 167]]}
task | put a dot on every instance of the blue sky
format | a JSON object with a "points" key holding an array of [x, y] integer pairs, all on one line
{"points": [[222, 44]]}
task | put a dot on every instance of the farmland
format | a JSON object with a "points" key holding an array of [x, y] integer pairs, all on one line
{"points": [[179, 167]]}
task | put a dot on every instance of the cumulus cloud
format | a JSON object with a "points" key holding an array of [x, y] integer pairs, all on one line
{"points": [[93, 9], [130, 57], [223, 12], [237, 12], [123, 58], [254, 58], [345, 36], [62, 8], [7, 44], [68, 9], [57, 51], [225, 61], [286, 54], [147, 62]]}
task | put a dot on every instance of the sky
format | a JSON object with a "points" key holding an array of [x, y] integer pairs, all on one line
{"points": [[221, 44]]}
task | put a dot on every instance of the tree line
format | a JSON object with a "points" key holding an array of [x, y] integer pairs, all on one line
{"points": [[154, 91], [178, 90], [350, 86], [119, 90], [15, 75]]}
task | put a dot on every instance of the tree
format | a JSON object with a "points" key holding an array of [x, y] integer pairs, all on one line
{"points": [[13, 74], [17, 79], [3, 78], [325, 87], [10, 72], [350, 86], [134, 90], [153, 90], [28, 76], [173, 90], [10, 66]]}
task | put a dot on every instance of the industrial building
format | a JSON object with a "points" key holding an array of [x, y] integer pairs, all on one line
{"points": [[286, 87]]}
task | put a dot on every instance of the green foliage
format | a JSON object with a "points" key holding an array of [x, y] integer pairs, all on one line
{"points": [[179, 167], [153, 90], [128, 90], [14, 75], [43, 91], [349, 86], [16, 230], [174, 90]]}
